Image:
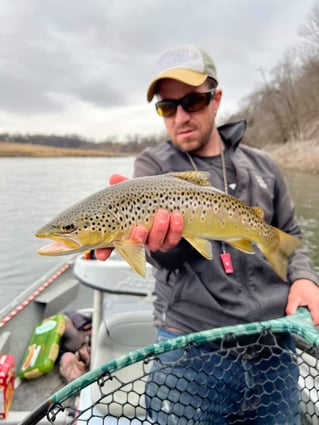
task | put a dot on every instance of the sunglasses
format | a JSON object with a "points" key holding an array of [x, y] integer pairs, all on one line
{"points": [[192, 102]]}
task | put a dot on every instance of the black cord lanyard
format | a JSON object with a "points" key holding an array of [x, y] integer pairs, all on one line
{"points": [[225, 256]]}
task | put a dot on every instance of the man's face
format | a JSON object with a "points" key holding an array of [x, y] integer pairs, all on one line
{"points": [[190, 131]]}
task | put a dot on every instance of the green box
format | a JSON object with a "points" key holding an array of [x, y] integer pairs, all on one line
{"points": [[43, 348]]}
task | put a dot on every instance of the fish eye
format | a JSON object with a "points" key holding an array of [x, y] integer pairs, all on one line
{"points": [[69, 227]]}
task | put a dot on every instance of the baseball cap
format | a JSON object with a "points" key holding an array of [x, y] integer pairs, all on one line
{"points": [[187, 64]]}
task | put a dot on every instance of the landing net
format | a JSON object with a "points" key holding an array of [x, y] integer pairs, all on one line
{"points": [[259, 373]]}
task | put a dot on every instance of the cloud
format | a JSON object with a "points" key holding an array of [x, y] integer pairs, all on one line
{"points": [[60, 58]]}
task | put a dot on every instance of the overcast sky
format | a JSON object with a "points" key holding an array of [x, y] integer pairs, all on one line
{"points": [[83, 66]]}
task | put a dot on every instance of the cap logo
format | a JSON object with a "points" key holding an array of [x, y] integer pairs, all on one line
{"points": [[184, 57], [187, 64]]}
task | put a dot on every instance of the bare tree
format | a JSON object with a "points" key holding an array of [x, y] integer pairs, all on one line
{"points": [[309, 31]]}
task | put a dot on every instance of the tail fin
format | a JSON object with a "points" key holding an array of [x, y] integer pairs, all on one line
{"points": [[278, 256]]}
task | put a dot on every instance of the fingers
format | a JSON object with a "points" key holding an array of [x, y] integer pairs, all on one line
{"points": [[164, 235], [314, 313], [291, 306], [103, 254], [166, 231], [304, 292], [117, 178]]}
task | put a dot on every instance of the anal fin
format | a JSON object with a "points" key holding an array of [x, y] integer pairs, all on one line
{"points": [[203, 246], [133, 254], [243, 245]]}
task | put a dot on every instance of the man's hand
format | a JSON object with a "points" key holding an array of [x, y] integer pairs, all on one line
{"points": [[165, 234], [304, 293], [166, 231]]}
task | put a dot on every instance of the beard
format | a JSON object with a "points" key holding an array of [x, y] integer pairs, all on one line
{"points": [[194, 144]]}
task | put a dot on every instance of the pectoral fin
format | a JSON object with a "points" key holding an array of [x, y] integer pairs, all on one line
{"points": [[133, 254], [244, 245], [203, 246]]}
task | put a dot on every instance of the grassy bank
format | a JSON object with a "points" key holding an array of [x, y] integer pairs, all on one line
{"points": [[29, 150], [299, 156]]}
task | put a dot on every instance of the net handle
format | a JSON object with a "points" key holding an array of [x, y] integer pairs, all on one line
{"points": [[37, 414]]}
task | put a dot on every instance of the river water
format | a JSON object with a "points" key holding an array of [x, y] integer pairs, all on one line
{"points": [[34, 190]]}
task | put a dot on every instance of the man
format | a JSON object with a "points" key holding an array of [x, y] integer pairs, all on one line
{"points": [[191, 292]]}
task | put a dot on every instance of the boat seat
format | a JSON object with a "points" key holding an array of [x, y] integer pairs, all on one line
{"points": [[127, 326]]}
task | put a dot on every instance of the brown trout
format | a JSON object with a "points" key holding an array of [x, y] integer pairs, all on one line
{"points": [[106, 219]]}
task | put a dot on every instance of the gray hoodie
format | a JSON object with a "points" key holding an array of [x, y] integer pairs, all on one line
{"points": [[192, 293]]}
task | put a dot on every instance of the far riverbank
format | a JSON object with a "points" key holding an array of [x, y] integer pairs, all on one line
{"points": [[302, 156], [8, 150], [297, 156]]}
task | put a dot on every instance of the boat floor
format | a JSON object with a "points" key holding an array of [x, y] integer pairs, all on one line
{"points": [[30, 394]]}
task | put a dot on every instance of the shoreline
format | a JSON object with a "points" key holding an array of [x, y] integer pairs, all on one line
{"points": [[14, 150], [301, 156]]}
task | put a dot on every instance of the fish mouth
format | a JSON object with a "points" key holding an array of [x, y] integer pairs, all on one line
{"points": [[60, 247]]}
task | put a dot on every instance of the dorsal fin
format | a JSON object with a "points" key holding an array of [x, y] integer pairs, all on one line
{"points": [[197, 177], [260, 212]]}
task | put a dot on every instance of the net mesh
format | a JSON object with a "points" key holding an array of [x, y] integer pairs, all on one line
{"points": [[269, 378]]}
